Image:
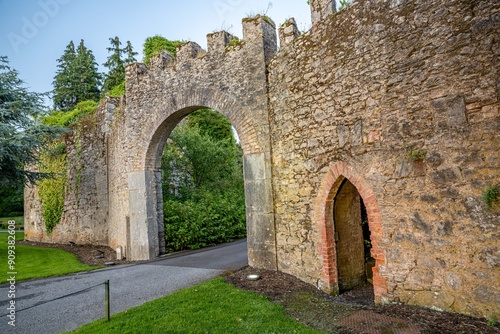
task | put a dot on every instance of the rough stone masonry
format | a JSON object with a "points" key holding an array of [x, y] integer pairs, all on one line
{"points": [[385, 114]]}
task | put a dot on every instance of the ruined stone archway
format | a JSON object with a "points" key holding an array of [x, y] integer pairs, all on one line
{"points": [[233, 82], [145, 185], [324, 220]]}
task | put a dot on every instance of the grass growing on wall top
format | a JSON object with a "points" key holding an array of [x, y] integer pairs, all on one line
{"points": [[118, 90], [69, 118]]}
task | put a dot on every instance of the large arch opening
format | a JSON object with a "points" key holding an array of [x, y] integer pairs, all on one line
{"points": [[145, 226], [202, 184], [349, 220]]}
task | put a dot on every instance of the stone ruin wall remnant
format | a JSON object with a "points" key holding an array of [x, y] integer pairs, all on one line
{"points": [[351, 99]]}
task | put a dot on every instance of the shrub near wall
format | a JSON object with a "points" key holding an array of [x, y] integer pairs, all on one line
{"points": [[204, 199], [209, 220]]}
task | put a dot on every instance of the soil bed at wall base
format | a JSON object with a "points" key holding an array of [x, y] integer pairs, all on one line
{"points": [[353, 312]]}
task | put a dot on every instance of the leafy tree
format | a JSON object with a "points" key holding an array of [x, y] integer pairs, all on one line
{"points": [[156, 44], [204, 201], [11, 201], [201, 154], [77, 78], [22, 135], [116, 64], [213, 124]]}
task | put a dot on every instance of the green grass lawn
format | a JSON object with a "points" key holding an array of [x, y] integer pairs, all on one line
{"points": [[36, 262], [19, 220], [211, 307]]}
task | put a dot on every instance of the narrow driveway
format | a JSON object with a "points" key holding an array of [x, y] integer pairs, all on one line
{"points": [[130, 285]]}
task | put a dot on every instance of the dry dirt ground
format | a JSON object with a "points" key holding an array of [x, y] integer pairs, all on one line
{"points": [[350, 313]]}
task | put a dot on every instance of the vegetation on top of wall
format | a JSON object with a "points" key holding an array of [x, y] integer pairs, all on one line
{"points": [[263, 14], [70, 118], [118, 90], [344, 4], [491, 197], [234, 44], [157, 44]]}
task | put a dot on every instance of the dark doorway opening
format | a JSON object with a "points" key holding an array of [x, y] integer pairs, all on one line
{"points": [[352, 239]]}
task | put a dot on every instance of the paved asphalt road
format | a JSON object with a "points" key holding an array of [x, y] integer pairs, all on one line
{"points": [[130, 285]]}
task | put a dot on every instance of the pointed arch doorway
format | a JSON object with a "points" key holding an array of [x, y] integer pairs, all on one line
{"points": [[352, 238], [346, 214]]}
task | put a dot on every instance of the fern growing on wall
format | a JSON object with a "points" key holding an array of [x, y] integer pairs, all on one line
{"points": [[491, 197]]}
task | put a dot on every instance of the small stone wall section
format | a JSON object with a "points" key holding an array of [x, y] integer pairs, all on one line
{"points": [[84, 219]]}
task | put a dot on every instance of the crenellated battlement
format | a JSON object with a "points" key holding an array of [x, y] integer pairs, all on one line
{"points": [[288, 31], [161, 61], [217, 42], [188, 51], [259, 39], [320, 9]]}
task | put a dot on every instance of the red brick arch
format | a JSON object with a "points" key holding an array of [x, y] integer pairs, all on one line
{"points": [[323, 218]]}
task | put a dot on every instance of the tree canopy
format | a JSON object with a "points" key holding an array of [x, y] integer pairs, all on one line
{"points": [[22, 135], [118, 59], [77, 78]]}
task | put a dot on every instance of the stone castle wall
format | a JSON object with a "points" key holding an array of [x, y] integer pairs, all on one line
{"points": [[84, 219], [351, 100]]}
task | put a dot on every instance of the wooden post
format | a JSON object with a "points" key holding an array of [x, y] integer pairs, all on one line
{"points": [[106, 300]]}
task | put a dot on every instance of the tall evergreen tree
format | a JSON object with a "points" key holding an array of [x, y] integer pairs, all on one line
{"points": [[64, 96], [89, 79], [21, 134], [116, 73], [116, 63], [77, 78], [129, 51]]}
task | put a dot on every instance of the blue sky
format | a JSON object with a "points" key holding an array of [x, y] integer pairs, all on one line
{"points": [[34, 33]]}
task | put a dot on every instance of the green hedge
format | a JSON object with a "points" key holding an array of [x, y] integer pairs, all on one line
{"points": [[207, 220]]}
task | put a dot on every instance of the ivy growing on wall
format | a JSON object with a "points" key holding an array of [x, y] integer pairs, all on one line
{"points": [[51, 189], [53, 160]]}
